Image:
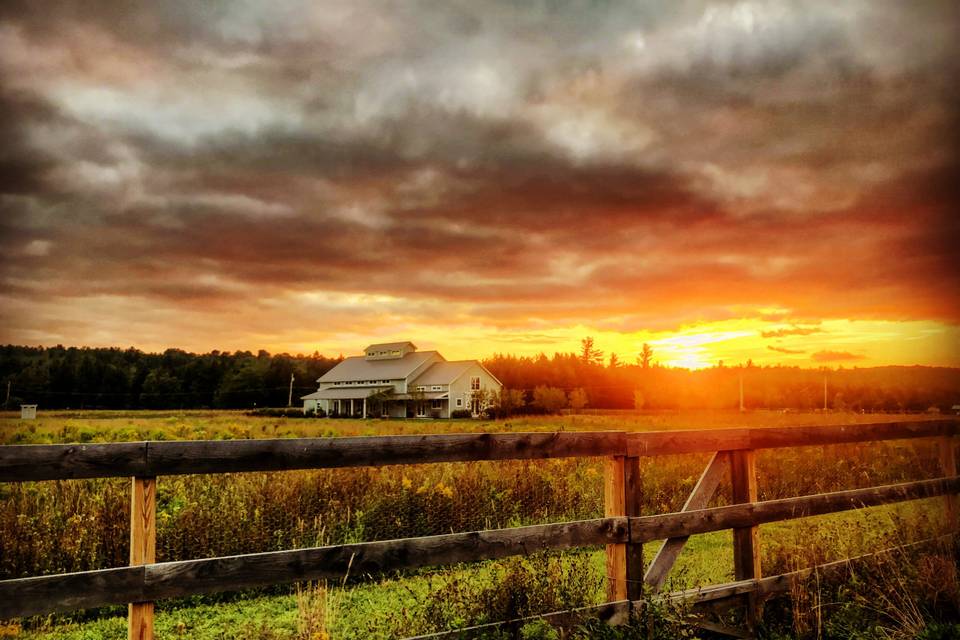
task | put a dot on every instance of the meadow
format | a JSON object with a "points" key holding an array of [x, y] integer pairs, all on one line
{"points": [[55, 527]]}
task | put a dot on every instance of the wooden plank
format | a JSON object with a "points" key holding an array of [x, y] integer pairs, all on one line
{"points": [[746, 550], [659, 443], [31, 462], [669, 525], [633, 505], [143, 550], [948, 468], [614, 504], [56, 462], [29, 596], [168, 458], [746, 545], [655, 443], [173, 579], [699, 498], [68, 592]]}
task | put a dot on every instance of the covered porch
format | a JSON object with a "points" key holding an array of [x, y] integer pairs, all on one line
{"points": [[349, 403]]}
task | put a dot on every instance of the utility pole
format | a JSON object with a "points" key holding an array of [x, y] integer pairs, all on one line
{"points": [[741, 391], [290, 395], [824, 392]]}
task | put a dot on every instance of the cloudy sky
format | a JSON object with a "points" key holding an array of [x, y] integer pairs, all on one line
{"points": [[773, 180]]}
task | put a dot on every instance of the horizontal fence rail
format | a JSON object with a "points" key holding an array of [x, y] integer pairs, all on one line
{"points": [[88, 589], [623, 532], [20, 463]]}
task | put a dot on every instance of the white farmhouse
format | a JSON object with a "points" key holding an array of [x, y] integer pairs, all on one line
{"points": [[397, 381]]}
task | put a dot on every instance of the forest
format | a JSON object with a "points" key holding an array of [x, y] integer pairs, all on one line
{"points": [[111, 378]]}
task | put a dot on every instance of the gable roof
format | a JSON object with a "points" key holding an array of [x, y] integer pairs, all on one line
{"points": [[390, 346], [358, 368], [443, 372], [346, 393]]}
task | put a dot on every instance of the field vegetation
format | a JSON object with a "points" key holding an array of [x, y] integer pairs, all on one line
{"points": [[54, 527]]}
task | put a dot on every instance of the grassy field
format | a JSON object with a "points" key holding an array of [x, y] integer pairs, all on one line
{"points": [[67, 526]]}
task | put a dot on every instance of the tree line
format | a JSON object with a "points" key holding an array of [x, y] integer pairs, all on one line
{"points": [[110, 378], [81, 377]]}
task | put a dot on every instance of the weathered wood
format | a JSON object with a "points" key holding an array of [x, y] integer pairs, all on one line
{"points": [[669, 525], [71, 591], [211, 575], [143, 550], [948, 468], [87, 589], [746, 545], [614, 504], [612, 613], [168, 458], [29, 462], [655, 443], [743, 478], [55, 462], [633, 505], [699, 498]]}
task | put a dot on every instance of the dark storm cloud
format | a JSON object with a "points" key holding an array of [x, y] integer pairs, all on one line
{"points": [[685, 158]]}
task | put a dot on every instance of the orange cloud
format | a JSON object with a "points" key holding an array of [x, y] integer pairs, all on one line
{"points": [[784, 350], [795, 331], [835, 356]]}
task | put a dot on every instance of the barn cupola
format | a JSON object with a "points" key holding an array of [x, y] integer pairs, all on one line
{"points": [[389, 350]]}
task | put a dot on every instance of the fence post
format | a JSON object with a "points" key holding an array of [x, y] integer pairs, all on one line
{"points": [[614, 504], [948, 467], [143, 550], [746, 548], [632, 503], [621, 497]]}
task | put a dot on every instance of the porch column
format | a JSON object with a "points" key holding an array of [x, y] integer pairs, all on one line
{"points": [[351, 407], [364, 408]]}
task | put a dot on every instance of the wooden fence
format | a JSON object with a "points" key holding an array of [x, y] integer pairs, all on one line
{"points": [[622, 529]]}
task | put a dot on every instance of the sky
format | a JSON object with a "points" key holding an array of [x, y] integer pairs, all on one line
{"points": [[771, 180]]}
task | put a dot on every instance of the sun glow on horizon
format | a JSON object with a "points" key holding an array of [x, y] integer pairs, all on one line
{"points": [[808, 343]]}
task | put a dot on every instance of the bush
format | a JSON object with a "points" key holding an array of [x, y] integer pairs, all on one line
{"points": [[550, 399], [461, 413]]}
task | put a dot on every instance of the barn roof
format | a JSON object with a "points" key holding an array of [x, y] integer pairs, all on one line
{"points": [[359, 368], [443, 372]]}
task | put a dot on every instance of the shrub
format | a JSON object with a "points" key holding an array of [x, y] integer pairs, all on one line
{"points": [[550, 399], [461, 413]]}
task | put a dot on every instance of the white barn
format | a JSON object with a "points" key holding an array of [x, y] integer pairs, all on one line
{"points": [[397, 381]]}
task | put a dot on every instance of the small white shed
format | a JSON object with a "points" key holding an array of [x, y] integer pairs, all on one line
{"points": [[28, 412]]}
